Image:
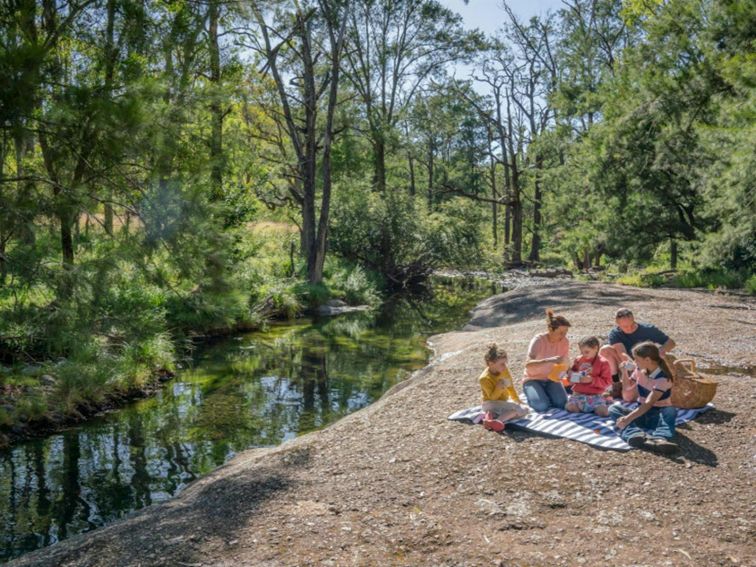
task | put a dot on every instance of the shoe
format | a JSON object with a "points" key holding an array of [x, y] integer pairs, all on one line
{"points": [[637, 441], [494, 425], [662, 446]]}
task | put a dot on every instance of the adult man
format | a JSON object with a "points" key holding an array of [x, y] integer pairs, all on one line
{"points": [[624, 337]]}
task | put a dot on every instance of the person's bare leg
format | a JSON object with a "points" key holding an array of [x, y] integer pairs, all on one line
{"points": [[602, 411], [510, 414], [572, 407], [612, 356]]}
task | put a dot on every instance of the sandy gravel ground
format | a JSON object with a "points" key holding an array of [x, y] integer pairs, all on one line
{"points": [[397, 484]]}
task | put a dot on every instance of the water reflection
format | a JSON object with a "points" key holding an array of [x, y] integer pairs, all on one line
{"points": [[255, 390]]}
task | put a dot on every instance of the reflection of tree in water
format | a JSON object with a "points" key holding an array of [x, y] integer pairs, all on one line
{"points": [[140, 479], [274, 385], [43, 493], [69, 500], [313, 377], [9, 479]]}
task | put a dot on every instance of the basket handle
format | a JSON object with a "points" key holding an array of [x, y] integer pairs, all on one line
{"points": [[685, 367]]}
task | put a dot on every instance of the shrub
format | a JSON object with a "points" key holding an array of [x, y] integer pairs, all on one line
{"points": [[750, 285], [393, 235]]}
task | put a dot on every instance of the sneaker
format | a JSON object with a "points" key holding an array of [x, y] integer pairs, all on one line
{"points": [[637, 441], [662, 446], [494, 425]]}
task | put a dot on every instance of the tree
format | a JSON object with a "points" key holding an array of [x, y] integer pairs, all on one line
{"points": [[394, 47], [308, 33]]}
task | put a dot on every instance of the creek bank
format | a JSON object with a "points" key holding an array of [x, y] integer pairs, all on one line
{"points": [[22, 428], [397, 484], [251, 390], [54, 422]]}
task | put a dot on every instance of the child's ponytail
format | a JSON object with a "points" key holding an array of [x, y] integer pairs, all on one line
{"points": [[666, 368], [650, 350]]}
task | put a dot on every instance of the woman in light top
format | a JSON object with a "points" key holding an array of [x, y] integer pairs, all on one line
{"points": [[545, 351]]}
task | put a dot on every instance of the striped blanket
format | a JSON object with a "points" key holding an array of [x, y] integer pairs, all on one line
{"points": [[584, 427]]}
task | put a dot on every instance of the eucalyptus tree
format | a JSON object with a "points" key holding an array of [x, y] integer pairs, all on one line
{"points": [[301, 45], [501, 73], [534, 45], [449, 139], [394, 48]]}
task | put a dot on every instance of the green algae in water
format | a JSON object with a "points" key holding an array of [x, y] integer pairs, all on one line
{"points": [[253, 390]]}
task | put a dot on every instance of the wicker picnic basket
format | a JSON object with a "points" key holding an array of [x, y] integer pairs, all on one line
{"points": [[690, 389]]}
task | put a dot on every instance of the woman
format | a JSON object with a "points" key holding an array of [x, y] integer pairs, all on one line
{"points": [[546, 350]]}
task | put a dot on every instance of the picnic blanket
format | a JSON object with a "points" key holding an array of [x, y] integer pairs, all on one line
{"points": [[584, 427]]}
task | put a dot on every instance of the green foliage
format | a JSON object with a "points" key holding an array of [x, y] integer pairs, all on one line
{"points": [[393, 234], [351, 283], [672, 156], [643, 279], [750, 284], [690, 277], [29, 408], [710, 279], [284, 297]]}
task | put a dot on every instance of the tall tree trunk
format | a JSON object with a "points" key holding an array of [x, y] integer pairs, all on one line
{"points": [[430, 174], [410, 161], [309, 164], [63, 210], [110, 61], [494, 191], [379, 163], [535, 245], [515, 201], [507, 226], [412, 188], [216, 110], [509, 188], [336, 36], [672, 254]]}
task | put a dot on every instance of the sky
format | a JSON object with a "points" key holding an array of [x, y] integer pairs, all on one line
{"points": [[488, 15]]}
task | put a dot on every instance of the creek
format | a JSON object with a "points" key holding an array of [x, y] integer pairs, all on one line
{"points": [[252, 390]]}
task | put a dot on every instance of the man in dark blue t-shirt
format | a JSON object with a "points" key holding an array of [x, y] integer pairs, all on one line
{"points": [[625, 336]]}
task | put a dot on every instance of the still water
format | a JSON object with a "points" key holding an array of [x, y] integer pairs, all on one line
{"points": [[253, 390]]}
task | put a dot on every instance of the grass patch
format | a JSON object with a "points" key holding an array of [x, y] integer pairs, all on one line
{"points": [[691, 278]]}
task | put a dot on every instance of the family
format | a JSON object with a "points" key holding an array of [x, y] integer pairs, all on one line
{"points": [[631, 368]]}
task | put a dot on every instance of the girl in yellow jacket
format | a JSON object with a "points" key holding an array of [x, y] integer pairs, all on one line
{"points": [[497, 390]]}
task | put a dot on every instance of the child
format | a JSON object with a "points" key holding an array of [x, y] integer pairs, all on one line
{"points": [[497, 389], [652, 424], [587, 394]]}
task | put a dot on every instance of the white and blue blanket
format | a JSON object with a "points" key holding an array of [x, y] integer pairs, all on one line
{"points": [[584, 427]]}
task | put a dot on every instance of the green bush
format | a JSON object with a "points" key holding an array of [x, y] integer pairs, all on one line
{"points": [[284, 297], [643, 279], [28, 408], [394, 235], [750, 285], [351, 283], [314, 294]]}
